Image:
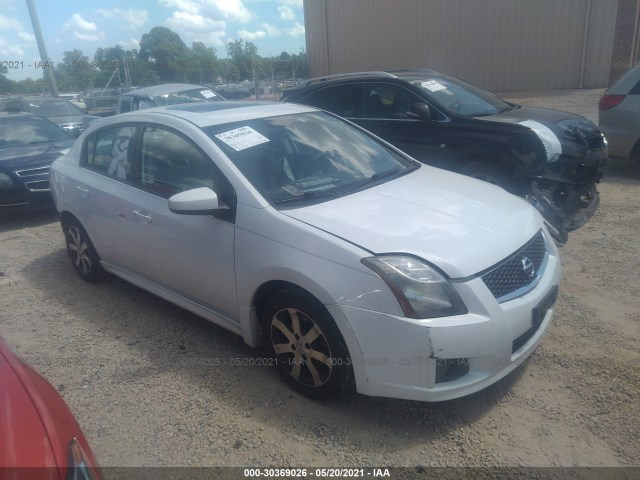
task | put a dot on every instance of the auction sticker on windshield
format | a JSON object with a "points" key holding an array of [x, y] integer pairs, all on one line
{"points": [[433, 86], [207, 93], [242, 138]]}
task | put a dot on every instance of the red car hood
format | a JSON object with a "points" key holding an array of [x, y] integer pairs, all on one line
{"points": [[24, 441], [36, 425]]}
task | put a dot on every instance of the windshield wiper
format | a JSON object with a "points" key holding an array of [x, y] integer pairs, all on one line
{"points": [[307, 195], [385, 173]]}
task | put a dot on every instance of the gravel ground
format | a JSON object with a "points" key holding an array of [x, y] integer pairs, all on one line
{"points": [[153, 385]]}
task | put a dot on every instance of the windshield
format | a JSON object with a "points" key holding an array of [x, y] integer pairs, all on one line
{"points": [[19, 130], [186, 96], [52, 108], [307, 158], [462, 98]]}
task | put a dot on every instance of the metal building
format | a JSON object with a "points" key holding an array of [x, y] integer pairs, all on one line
{"points": [[500, 45]]}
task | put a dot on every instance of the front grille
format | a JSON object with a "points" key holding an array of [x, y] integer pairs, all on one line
{"points": [[515, 272], [35, 179]]}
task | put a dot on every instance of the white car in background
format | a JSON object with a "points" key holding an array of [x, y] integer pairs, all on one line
{"points": [[347, 260], [619, 116]]}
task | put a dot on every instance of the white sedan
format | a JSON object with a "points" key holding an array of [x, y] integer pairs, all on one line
{"points": [[348, 261]]}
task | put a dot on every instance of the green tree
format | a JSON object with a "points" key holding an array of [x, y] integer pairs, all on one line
{"points": [[203, 64], [243, 55], [75, 72], [166, 52]]}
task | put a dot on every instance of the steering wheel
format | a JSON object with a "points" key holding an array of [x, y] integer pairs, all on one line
{"points": [[320, 161]]}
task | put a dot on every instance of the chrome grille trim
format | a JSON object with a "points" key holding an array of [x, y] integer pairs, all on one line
{"points": [[32, 171], [38, 186], [508, 280]]}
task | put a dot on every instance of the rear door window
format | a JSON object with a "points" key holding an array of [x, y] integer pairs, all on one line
{"points": [[109, 151], [343, 100]]}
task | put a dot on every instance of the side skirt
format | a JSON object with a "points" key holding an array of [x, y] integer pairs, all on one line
{"points": [[174, 297]]}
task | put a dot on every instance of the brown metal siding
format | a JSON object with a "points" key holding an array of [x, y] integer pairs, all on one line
{"points": [[497, 44]]}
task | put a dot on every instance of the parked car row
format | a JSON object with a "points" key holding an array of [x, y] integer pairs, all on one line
{"points": [[58, 110]]}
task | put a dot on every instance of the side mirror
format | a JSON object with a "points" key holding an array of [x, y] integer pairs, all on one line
{"points": [[198, 201], [419, 111]]}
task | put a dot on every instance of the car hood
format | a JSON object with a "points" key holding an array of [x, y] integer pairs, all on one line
{"points": [[26, 156], [25, 441], [574, 133], [72, 119], [459, 224]]}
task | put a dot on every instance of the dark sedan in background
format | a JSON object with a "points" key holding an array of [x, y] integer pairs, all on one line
{"points": [[58, 110], [552, 158], [28, 145]]}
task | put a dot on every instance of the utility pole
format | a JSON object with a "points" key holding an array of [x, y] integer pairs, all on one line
{"points": [[48, 67]]}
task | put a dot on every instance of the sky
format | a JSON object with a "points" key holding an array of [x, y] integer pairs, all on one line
{"points": [[273, 26]]}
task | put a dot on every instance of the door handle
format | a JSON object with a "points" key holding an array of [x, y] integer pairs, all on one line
{"points": [[146, 219], [83, 191]]}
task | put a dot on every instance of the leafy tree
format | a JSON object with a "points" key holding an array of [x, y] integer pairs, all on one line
{"points": [[203, 64], [167, 53], [75, 72], [6, 85], [243, 55]]}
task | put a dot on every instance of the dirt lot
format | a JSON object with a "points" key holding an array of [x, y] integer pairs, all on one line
{"points": [[154, 385]]}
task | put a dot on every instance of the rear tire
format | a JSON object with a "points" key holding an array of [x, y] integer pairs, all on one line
{"points": [[307, 346], [83, 255]]}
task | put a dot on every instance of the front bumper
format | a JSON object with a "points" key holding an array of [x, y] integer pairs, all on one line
{"points": [[405, 358]]}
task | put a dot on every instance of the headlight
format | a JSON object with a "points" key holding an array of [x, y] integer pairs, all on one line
{"points": [[421, 291], [552, 145], [5, 180], [79, 468]]}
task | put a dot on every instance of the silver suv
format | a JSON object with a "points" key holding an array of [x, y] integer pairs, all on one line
{"points": [[619, 116]]}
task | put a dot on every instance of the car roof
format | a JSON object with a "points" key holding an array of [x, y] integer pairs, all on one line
{"points": [[204, 114], [406, 74], [164, 89]]}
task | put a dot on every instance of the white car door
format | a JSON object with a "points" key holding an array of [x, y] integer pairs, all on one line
{"points": [[100, 191], [190, 254]]}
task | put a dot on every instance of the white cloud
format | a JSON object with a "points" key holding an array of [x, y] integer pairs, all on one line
{"points": [[133, 18], [271, 30], [27, 37], [7, 23], [83, 29], [232, 10], [295, 3], [132, 43], [188, 6], [193, 27], [76, 22], [296, 30], [251, 35], [9, 51], [286, 13]]}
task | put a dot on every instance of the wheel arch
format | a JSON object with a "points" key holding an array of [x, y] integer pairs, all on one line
{"points": [[260, 298]]}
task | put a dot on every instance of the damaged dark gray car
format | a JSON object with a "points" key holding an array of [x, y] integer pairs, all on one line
{"points": [[554, 159]]}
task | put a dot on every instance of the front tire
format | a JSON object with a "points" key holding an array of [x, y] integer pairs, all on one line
{"points": [[83, 255], [309, 350], [487, 172]]}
